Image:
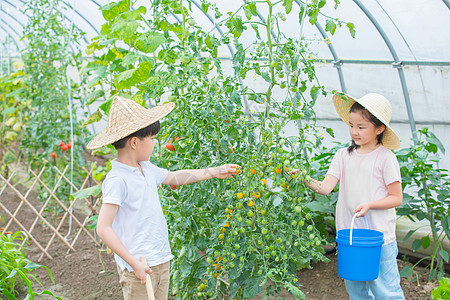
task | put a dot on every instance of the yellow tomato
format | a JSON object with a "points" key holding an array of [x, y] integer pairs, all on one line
{"points": [[250, 203], [240, 195], [278, 171], [263, 181], [252, 171], [256, 195]]}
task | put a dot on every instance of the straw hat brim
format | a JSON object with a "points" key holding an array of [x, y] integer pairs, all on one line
{"points": [[342, 106], [124, 126]]}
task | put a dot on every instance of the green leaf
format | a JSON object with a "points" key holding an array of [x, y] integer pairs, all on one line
{"points": [[288, 5], [444, 255], [94, 96], [406, 271], [125, 29], [32, 266], [295, 291], [426, 241], [351, 28], [95, 117], [149, 42], [266, 77], [251, 288], [130, 78], [409, 234], [314, 93], [105, 106], [330, 26], [313, 14], [416, 245], [91, 191], [112, 10]]}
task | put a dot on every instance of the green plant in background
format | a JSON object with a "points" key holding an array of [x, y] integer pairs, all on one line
{"points": [[12, 118], [47, 88], [426, 196], [441, 292], [229, 237], [15, 269]]}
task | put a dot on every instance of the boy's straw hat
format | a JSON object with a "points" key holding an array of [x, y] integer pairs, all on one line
{"points": [[126, 117], [377, 105]]}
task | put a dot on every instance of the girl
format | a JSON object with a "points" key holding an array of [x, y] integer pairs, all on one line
{"points": [[369, 184]]}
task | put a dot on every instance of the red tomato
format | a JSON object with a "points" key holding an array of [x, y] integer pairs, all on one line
{"points": [[173, 187], [176, 138], [61, 143], [69, 145], [169, 146], [53, 155], [64, 147], [231, 149]]}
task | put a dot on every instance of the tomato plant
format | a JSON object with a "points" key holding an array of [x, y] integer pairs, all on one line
{"points": [[47, 93], [426, 197], [231, 236]]}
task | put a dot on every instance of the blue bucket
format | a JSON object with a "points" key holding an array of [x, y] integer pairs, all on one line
{"points": [[359, 253]]}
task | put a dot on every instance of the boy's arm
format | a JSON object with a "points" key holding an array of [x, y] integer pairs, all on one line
{"points": [[106, 233], [194, 175], [393, 199]]}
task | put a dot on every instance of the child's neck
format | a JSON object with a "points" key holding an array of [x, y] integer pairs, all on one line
{"points": [[364, 149], [127, 158]]}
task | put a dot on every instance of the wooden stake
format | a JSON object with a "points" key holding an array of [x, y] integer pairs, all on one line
{"points": [[148, 282]]}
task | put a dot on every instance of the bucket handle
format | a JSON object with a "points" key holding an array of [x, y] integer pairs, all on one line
{"points": [[351, 226]]}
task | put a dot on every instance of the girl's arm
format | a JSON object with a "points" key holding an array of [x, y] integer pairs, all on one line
{"points": [[322, 187], [194, 175], [106, 233], [393, 199]]}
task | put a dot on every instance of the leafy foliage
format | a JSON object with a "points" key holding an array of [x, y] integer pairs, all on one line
{"points": [[15, 268], [442, 291], [229, 237], [45, 90], [426, 196]]}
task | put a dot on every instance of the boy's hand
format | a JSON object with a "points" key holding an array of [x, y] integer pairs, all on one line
{"points": [[227, 171], [140, 270], [362, 209]]}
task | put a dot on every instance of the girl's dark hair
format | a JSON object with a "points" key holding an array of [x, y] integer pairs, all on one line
{"points": [[151, 129], [369, 117]]}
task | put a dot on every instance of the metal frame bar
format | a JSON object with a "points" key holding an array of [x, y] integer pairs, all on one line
{"points": [[398, 64], [390, 62]]}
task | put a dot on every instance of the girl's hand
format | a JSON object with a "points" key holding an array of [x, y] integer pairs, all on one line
{"points": [[227, 171], [362, 209], [293, 171], [140, 270]]}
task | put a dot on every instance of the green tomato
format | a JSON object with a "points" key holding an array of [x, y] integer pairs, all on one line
{"points": [[298, 209], [201, 287], [279, 240], [309, 228], [264, 231]]}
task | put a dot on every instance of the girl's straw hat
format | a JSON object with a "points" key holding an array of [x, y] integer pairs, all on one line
{"points": [[126, 117], [377, 105]]}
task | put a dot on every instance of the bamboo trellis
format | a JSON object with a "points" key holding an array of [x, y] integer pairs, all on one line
{"points": [[38, 209]]}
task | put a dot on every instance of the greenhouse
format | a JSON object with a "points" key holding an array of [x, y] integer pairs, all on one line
{"points": [[254, 135]]}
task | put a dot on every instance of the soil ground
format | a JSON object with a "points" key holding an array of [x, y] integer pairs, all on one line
{"points": [[90, 271]]}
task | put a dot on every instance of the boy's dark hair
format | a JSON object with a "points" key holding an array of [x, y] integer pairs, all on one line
{"points": [[151, 129], [369, 117]]}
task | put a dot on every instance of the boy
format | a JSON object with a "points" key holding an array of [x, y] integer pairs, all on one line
{"points": [[131, 221]]}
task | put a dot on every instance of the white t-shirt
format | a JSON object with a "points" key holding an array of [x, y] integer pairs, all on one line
{"points": [[139, 223], [362, 178]]}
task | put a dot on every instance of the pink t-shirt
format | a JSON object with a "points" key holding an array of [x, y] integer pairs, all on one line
{"points": [[362, 178]]}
